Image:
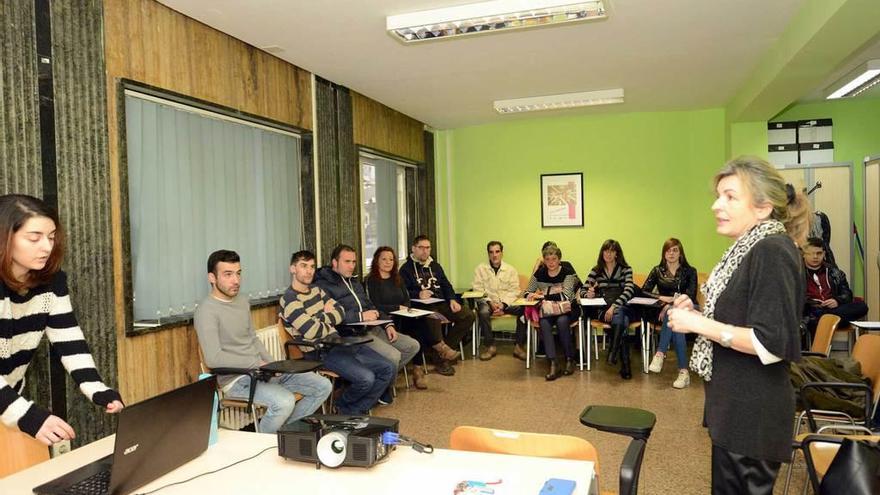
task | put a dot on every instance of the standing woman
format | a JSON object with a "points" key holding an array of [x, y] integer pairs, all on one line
{"points": [[34, 300], [673, 276], [748, 331], [612, 279]]}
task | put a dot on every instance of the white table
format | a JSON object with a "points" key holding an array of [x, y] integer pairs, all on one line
{"points": [[405, 471], [865, 326]]}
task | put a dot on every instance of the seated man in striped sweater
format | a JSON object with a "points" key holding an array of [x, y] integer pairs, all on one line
{"points": [[228, 340], [310, 314], [34, 300]]}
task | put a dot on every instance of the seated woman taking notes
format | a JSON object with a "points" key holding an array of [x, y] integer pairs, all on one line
{"points": [[555, 283]]}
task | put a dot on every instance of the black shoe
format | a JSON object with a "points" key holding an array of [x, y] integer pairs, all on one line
{"points": [[444, 368], [569, 367], [618, 334], [553, 373], [625, 370]]}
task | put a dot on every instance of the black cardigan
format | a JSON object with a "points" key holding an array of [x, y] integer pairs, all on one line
{"points": [[750, 406]]}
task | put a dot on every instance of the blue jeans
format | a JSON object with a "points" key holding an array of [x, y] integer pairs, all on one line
{"points": [[666, 334], [563, 324], [623, 316], [277, 396], [367, 372]]}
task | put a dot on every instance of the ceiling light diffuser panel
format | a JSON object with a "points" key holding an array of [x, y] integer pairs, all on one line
{"points": [[557, 102], [863, 78], [489, 17]]}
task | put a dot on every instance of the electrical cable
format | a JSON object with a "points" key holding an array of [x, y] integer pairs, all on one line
{"points": [[210, 472]]}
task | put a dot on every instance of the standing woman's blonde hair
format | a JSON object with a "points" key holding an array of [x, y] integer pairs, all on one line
{"points": [[767, 186]]}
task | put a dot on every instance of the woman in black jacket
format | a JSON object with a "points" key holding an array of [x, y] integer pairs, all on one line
{"points": [[388, 293], [673, 276]]}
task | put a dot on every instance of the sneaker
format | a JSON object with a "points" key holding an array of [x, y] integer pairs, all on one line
{"points": [[386, 398], [657, 363], [683, 380]]}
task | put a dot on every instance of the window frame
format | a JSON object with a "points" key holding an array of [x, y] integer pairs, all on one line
{"points": [[305, 181], [402, 220]]}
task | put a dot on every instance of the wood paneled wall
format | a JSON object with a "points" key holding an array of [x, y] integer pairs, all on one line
{"points": [[150, 43], [385, 129]]}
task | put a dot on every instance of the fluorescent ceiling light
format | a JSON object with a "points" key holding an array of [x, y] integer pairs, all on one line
{"points": [[555, 102], [859, 80], [487, 17]]}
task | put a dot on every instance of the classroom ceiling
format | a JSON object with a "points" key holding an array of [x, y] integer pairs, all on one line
{"points": [[666, 55]]}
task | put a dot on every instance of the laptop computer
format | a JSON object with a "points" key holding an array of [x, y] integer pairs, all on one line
{"points": [[153, 437]]}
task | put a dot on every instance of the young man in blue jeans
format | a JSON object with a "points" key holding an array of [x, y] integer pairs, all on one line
{"points": [[310, 314], [228, 340]]}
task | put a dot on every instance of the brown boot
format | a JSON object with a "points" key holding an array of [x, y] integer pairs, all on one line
{"points": [[489, 353], [419, 378], [446, 353], [519, 352]]}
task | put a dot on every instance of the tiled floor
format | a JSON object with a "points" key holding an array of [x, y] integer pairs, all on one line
{"points": [[501, 393]]}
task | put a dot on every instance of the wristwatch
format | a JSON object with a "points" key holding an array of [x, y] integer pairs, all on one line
{"points": [[726, 338]]}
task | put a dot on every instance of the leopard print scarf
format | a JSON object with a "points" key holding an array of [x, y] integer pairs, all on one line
{"points": [[701, 357]]}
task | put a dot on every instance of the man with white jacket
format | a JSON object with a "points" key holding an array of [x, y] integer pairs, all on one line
{"points": [[500, 283]]}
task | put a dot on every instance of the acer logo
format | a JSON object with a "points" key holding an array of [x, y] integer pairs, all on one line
{"points": [[131, 449]]}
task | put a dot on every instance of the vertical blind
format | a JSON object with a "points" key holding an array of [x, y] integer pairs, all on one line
{"points": [[198, 183]]}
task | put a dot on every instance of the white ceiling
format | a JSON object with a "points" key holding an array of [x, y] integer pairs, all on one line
{"points": [[665, 54]]}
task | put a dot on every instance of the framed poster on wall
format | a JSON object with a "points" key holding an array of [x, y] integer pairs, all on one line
{"points": [[562, 200]]}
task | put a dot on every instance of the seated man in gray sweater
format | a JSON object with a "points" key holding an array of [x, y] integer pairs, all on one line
{"points": [[228, 340]]}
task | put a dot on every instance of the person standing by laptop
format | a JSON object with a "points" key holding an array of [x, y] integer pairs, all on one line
{"points": [[34, 299], [228, 340]]}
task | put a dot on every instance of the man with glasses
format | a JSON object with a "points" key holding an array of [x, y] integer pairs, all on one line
{"points": [[425, 279]]}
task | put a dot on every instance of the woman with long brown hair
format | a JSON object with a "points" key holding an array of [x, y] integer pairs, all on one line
{"points": [[748, 331], [673, 276], [387, 291], [34, 300]]}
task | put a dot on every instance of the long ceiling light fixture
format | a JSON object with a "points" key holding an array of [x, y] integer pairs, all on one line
{"points": [[557, 102], [863, 78], [489, 17]]}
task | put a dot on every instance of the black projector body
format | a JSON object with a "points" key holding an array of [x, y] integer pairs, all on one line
{"points": [[299, 440]]}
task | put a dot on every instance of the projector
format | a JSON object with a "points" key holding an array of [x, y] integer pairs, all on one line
{"points": [[336, 440]]}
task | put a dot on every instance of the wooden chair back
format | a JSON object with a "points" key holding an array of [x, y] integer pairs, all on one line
{"points": [[477, 439], [824, 333], [20, 451]]}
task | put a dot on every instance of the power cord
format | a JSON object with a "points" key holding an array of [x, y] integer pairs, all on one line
{"points": [[210, 472]]}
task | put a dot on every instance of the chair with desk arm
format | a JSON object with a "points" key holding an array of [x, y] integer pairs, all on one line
{"points": [[867, 353]]}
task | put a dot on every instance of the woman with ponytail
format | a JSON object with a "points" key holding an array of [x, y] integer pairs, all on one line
{"points": [[748, 330]]}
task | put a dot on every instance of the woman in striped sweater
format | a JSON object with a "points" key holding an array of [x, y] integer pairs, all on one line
{"points": [[612, 279], [34, 300]]}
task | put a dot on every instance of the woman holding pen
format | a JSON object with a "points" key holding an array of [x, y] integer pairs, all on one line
{"points": [[612, 280]]}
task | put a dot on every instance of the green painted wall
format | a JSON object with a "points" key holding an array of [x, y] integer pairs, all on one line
{"points": [[647, 176], [748, 138], [856, 135]]}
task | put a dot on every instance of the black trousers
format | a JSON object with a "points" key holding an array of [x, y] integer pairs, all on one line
{"points": [[735, 474]]}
